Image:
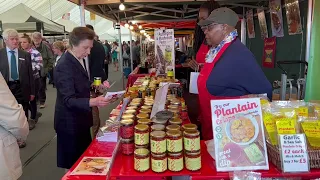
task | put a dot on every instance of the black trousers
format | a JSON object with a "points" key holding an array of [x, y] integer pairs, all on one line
{"points": [[51, 76], [16, 90], [106, 69], [42, 89], [33, 104]]}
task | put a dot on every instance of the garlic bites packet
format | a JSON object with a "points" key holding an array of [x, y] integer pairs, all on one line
{"points": [[239, 135]]}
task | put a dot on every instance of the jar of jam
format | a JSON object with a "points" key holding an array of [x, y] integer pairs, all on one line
{"points": [[144, 121], [175, 161], [148, 103], [173, 107], [159, 162], [141, 134], [191, 139], [174, 141], [132, 108], [126, 129], [175, 111], [176, 121], [158, 142], [135, 104], [142, 116], [193, 160], [141, 160], [141, 146], [157, 127], [130, 111], [189, 127], [173, 127], [146, 107], [128, 116], [127, 146], [145, 111], [184, 113]]}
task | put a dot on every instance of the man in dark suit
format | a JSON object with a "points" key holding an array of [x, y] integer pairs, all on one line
{"points": [[16, 68], [96, 69]]}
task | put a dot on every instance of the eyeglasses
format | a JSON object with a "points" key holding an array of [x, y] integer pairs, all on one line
{"points": [[208, 27]]}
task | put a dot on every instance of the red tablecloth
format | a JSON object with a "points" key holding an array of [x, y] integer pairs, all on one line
{"points": [[133, 77]]}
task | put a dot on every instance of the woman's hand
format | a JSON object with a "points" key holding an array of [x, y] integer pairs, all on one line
{"points": [[99, 101]]}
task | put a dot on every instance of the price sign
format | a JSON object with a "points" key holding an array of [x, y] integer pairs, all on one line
{"points": [[294, 154]]}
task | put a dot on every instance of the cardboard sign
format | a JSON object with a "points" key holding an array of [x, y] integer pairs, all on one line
{"points": [[294, 154], [160, 100]]}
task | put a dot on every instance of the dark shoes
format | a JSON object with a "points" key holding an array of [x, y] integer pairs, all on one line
{"points": [[39, 114], [32, 124]]}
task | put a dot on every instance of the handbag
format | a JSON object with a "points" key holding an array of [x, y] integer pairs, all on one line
{"points": [[193, 85]]}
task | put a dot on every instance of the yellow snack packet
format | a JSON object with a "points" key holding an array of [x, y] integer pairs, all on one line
{"points": [[311, 128]]}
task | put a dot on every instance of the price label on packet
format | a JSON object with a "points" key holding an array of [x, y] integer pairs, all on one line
{"points": [[294, 154]]}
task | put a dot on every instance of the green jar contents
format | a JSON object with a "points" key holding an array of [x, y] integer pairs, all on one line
{"points": [[193, 161], [141, 134], [157, 127], [174, 141], [175, 161], [141, 160], [191, 139], [159, 162], [158, 142]]}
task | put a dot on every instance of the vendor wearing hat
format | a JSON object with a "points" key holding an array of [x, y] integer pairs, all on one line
{"points": [[230, 69]]}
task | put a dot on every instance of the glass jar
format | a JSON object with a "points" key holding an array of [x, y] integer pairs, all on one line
{"points": [[144, 121], [130, 111], [126, 129], [141, 146], [191, 139], [176, 121], [128, 116], [159, 162], [142, 116], [146, 107], [184, 113], [141, 160], [174, 141], [175, 161], [158, 142], [145, 111], [175, 112], [173, 107], [193, 160], [127, 146], [135, 104], [132, 108], [141, 134], [173, 127], [189, 127], [148, 103], [153, 91], [158, 127]]}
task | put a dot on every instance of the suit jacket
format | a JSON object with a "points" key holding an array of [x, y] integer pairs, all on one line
{"points": [[13, 126], [96, 61], [25, 71], [72, 112]]}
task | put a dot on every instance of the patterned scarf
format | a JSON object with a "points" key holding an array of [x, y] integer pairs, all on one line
{"points": [[215, 50]]}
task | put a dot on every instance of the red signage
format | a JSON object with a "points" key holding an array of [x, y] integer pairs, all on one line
{"points": [[269, 52]]}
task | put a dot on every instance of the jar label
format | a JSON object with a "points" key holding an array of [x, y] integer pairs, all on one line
{"points": [[174, 145], [175, 164], [159, 165], [192, 144], [158, 146], [141, 139], [141, 164], [193, 164]]}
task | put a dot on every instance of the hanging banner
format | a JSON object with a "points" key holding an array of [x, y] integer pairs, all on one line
{"points": [[164, 51], [262, 23], [293, 17], [66, 16], [92, 16], [250, 24], [276, 18], [269, 52]]}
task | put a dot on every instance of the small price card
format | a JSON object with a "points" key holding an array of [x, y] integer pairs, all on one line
{"points": [[294, 154]]}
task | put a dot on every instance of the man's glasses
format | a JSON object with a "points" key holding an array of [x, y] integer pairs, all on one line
{"points": [[208, 27]]}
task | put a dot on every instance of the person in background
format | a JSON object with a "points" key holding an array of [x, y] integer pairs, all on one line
{"points": [[14, 128], [36, 60], [135, 53], [106, 59], [230, 69], [16, 68], [200, 46], [73, 115], [58, 50], [126, 56], [115, 52], [96, 69], [48, 61]]}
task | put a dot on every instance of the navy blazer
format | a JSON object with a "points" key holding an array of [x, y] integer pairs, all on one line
{"points": [[73, 113]]}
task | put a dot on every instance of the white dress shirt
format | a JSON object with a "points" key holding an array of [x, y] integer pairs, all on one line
{"points": [[9, 61]]}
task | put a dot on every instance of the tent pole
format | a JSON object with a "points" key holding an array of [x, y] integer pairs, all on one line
{"points": [[120, 56], [131, 55], [243, 28], [82, 13]]}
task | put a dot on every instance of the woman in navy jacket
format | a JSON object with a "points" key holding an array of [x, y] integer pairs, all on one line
{"points": [[73, 116]]}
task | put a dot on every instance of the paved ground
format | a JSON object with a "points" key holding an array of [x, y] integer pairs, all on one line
{"points": [[39, 157]]}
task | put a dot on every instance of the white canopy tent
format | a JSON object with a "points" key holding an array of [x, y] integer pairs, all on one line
{"points": [[68, 25], [22, 18]]}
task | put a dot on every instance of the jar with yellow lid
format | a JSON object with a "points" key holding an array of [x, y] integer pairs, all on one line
{"points": [[135, 104], [158, 142], [145, 121], [175, 161], [174, 141], [159, 162], [158, 127], [175, 111], [173, 107], [142, 116], [126, 129], [193, 160], [145, 111], [173, 127], [191, 139], [141, 146], [130, 111], [176, 121], [153, 91], [175, 102], [128, 116], [141, 134], [141, 160], [148, 103], [146, 107], [189, 127], [132, 108], [136, 100]]}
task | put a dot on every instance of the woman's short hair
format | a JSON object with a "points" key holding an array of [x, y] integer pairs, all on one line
{"points": [[59, 45], [79, 34], [26, 36]]}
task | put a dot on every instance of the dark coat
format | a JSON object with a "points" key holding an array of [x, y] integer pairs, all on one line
{"points": [[72, 113], [96, 61], [25, 71]]}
